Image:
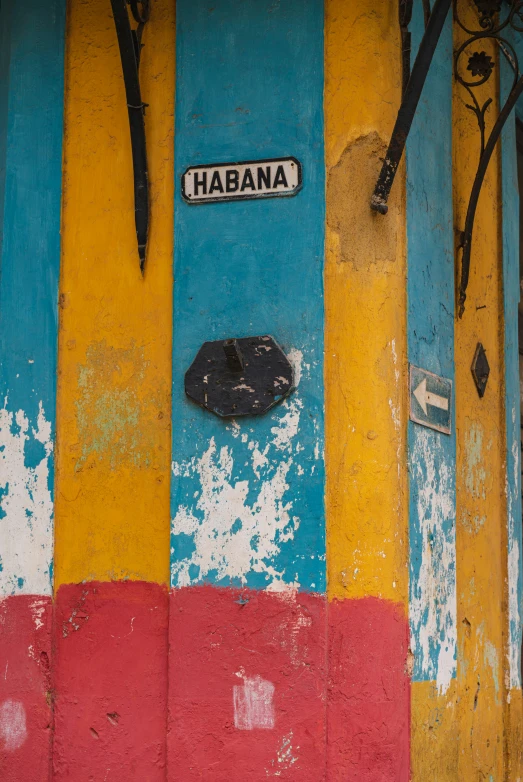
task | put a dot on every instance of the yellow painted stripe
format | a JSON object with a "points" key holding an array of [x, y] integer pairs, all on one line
{"points": [[112, 494], [365, 302], [434, 737], [481, 541]]}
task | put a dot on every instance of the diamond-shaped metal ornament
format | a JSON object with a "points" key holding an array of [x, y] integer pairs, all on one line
{"points": [[480, 369]]}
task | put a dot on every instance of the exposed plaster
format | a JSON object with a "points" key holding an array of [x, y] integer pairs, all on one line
{"points": [[433, 602], [241, 515], [26, 505]]}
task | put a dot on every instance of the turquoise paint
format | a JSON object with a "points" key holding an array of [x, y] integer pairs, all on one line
{"points": [[247, 497], [511, 295], [432, 455], [31, 117]]}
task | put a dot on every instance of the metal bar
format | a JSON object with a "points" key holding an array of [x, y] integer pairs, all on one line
{"points": [[136, 108], [405, 15], [466, 236], [408, 106]]}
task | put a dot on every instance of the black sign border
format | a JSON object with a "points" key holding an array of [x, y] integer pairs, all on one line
{"points": [[415, 418], [244, 197]]}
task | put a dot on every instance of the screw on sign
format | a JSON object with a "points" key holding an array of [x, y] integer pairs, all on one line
{"points": [[237, 377]]}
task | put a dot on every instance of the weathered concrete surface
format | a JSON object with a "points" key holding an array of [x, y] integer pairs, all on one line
{"points": [[110, 681], [115, 326], [25, 688]]}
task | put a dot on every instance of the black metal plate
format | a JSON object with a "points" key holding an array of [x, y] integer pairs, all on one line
{"points": [[265, 379], [480, 369]]}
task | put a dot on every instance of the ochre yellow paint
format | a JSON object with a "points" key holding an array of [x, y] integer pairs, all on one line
{"points": [[365, 303], [481, 544], [113, 457], [434, 737]]}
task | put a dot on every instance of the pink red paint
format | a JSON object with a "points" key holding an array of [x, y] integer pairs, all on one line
{"points": [[263, 685], [368, 724], [247, 677], [233, 685], [110, 679], [25, 689]]}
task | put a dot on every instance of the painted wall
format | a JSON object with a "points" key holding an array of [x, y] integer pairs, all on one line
{"points": [[365, 385], [326, 592], [247, 497], [481, 520], [31, 108], [432, 454], [113, 462]]}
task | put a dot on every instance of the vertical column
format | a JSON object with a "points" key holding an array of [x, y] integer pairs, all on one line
{"points": [[511, 295], [432, 453], [31, 114], [365, 386], [481, 539], [247, 628], [112, 525]]}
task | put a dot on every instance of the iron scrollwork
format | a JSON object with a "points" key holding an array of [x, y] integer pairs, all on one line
{"points": [[493, 23], [130, 45]]}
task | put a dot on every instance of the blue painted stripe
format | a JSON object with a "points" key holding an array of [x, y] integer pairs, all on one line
{"points": [[432, 455], [511, 295], [31, 117], [248, 496]]}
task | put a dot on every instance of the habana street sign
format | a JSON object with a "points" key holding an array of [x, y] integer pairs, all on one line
{"points": [[430, 400], [240, 181]]}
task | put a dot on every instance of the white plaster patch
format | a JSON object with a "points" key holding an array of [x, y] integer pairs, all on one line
{"points": [[253, 704], [432, 610], [37, 608], [26, 523], [13, 729], [286, 757], [234, 537], [295, 357]]}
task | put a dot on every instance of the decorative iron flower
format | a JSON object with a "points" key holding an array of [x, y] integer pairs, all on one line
{"points": [[487, 9], [480, 64]]}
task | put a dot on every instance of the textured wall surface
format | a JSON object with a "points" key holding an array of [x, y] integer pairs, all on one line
{"points": [[432, 454], [511, 296], [112, 510], [31, 109], [365, 384], [248, 494], [481, 520], [328, 592]]}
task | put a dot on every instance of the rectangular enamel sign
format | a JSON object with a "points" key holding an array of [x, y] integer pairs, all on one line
{"points": [[430, 400], [240, 181]]}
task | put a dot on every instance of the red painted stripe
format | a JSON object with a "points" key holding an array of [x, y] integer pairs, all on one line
{"points": [[368, 729], [25, 690], [352, 724], [249, 692], [268, 653], [110, 680]]}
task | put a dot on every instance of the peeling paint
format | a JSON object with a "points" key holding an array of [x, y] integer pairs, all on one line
{"points": [[115, 421], [433, 570], [247, 496], [242, 512], [26, 506], [242, 509], [286, 757]]}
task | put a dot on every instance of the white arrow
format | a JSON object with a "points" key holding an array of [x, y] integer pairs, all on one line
{"points": [[425, 398]]}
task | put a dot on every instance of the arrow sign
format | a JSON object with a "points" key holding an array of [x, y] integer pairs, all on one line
{"points": [[425, 398], [430, 397]]}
